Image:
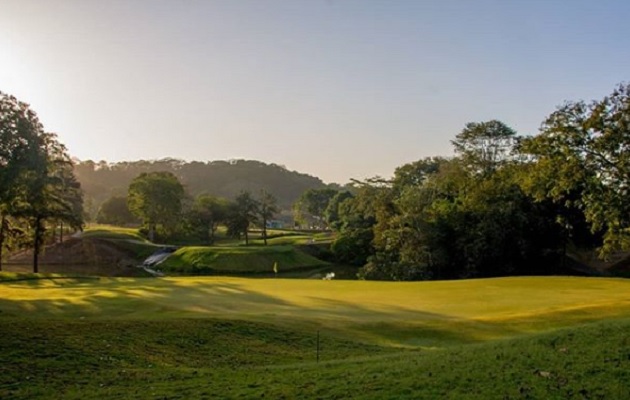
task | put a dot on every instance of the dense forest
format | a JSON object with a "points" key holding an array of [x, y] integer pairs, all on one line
{"points": [[225, 179], [506, 204]]}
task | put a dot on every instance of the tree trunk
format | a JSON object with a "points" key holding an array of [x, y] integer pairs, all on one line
{"points": [[37, 243], [61, 232], [2, 226], [213, 229], [246, 238], [151, 232], [208, 232], [53, 238], [264, 232]]}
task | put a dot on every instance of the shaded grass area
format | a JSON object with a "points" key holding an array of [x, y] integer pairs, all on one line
{"points": [[207, 359], [416, 314], [183, 338], [237, 259], [9, 277]]}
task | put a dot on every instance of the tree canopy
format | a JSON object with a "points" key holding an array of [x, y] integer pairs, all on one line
{"points": [[156, 198], [37, 183], [584, 149]]}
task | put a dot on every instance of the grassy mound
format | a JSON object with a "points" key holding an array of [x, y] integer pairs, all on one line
{"points": [[126, 239], [113, 232], [238, 260], [205, 359]]}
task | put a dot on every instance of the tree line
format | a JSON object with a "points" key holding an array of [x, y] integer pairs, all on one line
{"points": [[505, 204], [38, 189], [159, 201], [102, 180]]}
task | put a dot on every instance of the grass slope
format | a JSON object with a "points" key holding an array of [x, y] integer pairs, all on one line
{"points": [[127, 239], [237, 260], [206, 359], [181, 338], [112, 232], [426, 314]]}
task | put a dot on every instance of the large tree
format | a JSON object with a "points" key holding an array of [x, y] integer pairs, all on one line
{"points": [[115, 210], [156, 198], [243, 213], [52, 193], [19, 126], [357, 217], [206, 214], [311, 207], [485, 146], [582, 158], [37, 182]]}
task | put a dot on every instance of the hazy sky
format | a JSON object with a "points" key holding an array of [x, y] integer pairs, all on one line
{"points": [[339, 89]]}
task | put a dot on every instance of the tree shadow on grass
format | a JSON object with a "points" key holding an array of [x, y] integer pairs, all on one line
{"points": [[154, 299], [123, 298]]}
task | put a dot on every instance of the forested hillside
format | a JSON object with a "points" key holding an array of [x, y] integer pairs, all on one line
{"points": [[219, 178]]}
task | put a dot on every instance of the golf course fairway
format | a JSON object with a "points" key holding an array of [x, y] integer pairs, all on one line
{"points": [[215, 337]]}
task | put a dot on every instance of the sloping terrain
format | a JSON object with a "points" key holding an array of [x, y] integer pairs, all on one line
{"points": [[87, 255], [206, 338]]}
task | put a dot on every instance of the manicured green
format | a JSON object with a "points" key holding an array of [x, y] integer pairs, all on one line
{"points": [[425, 314], [237, 260], [207, 337]]}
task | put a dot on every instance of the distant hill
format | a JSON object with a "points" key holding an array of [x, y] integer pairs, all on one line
{"points": [[100, 180]]}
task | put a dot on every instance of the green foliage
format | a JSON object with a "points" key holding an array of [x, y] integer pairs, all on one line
{"points": [[310, 209], [415, 173], [331, 214], [115, 211], [37, 184], [243, 213], [446, 219], [357, 217], [353, 246], [485, 146], [156, 198], [582, 159], [204, 217]]}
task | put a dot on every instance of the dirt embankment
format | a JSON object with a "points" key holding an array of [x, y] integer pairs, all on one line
{"points": [[90, 256]]}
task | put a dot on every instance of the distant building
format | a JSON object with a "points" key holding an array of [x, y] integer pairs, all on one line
{"points": [[275, 224]]}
